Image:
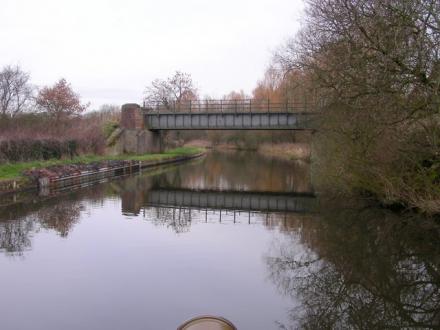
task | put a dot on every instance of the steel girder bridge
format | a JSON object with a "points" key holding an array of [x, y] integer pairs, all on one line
{"points": [[228, 115]]}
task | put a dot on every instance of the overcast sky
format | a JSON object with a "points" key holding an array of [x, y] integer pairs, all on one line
{"points": [[110, 50]]}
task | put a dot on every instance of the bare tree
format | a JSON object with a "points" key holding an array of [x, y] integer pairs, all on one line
{"points": [[176, 89], [376, 66], [15, 91]]}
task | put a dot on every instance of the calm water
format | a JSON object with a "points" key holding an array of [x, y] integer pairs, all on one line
{"points": [[213, 237]]}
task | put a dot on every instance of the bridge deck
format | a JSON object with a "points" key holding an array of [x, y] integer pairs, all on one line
{"points": [[228, 121], [228, 115]]}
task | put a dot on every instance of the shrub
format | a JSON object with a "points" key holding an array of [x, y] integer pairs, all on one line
{"points": [[109, 128], [27, 149]]}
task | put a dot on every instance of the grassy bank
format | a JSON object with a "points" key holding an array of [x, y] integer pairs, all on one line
{"points": [[286, 151], [11, 171]]}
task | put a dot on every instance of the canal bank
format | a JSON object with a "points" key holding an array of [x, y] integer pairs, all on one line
{"points": [[289, 151], [17, 177]]}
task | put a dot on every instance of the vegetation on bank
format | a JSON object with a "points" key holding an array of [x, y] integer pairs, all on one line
{"points": [[11, 171], [50, 122], [286, 151], [372, 70]]}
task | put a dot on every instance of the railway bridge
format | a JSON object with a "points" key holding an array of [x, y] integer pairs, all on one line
{"points": [[143, 125]]}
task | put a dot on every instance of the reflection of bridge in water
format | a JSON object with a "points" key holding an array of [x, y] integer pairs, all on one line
{"points": [[232, 200], [181, 218], [178, 208]]}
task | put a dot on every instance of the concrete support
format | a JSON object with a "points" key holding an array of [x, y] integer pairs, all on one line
{"points": [[135, 138], [141, 141]]}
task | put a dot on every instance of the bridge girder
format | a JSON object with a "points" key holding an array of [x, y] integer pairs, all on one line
{"points": [[228, 121]]}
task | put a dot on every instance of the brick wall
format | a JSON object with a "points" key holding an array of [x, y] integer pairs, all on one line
{"points": [[131, 117]]}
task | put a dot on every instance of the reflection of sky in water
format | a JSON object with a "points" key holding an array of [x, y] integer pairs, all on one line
{"points": [[115, 271], [104, 257]]}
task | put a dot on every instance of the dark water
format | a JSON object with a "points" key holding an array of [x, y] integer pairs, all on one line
{"points": [[233, 234]]}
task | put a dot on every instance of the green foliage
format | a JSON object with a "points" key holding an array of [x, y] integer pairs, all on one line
{"points": [[183, 151], [109, 127]]}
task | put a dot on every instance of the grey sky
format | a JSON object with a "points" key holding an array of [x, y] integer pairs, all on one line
{"points": [[111, 49]]}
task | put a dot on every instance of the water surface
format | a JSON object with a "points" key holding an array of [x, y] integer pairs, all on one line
{"points": [[141, 253]]}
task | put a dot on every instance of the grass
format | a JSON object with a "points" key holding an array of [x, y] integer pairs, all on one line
{"points": [[287, 151], [10, 171]]}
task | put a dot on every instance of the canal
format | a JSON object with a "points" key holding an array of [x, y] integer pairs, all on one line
{"points": [[232, 234]]}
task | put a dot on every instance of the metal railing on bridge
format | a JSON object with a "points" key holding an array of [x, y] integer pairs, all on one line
{"points": [[228, 106]]}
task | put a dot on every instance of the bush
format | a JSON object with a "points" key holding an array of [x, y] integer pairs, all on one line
{"points": [[109, 128], [27, 149], [35, 136]]}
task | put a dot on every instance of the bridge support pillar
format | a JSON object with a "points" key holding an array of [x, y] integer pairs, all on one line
{"points": [[135, 138]]}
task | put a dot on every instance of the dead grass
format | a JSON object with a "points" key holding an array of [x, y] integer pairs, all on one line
{"points": [[287, 151]]}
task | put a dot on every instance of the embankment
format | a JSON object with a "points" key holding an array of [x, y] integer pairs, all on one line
{"points": [[284, 151], [60, 173]]}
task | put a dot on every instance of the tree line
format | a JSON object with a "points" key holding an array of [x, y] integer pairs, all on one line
{"points": [[18, 95], [49, 122], [373, 67]]}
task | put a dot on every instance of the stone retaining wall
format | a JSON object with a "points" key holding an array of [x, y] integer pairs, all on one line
{"points": [[86, 177]]}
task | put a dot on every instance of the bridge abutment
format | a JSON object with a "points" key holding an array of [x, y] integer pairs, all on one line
{"points": [[135, 139]]}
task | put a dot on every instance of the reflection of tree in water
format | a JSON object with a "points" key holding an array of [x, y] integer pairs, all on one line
{"points": [[225, 171], [177, 219], [361, 269], [60, 213], [60, 217], [15, 235]]}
